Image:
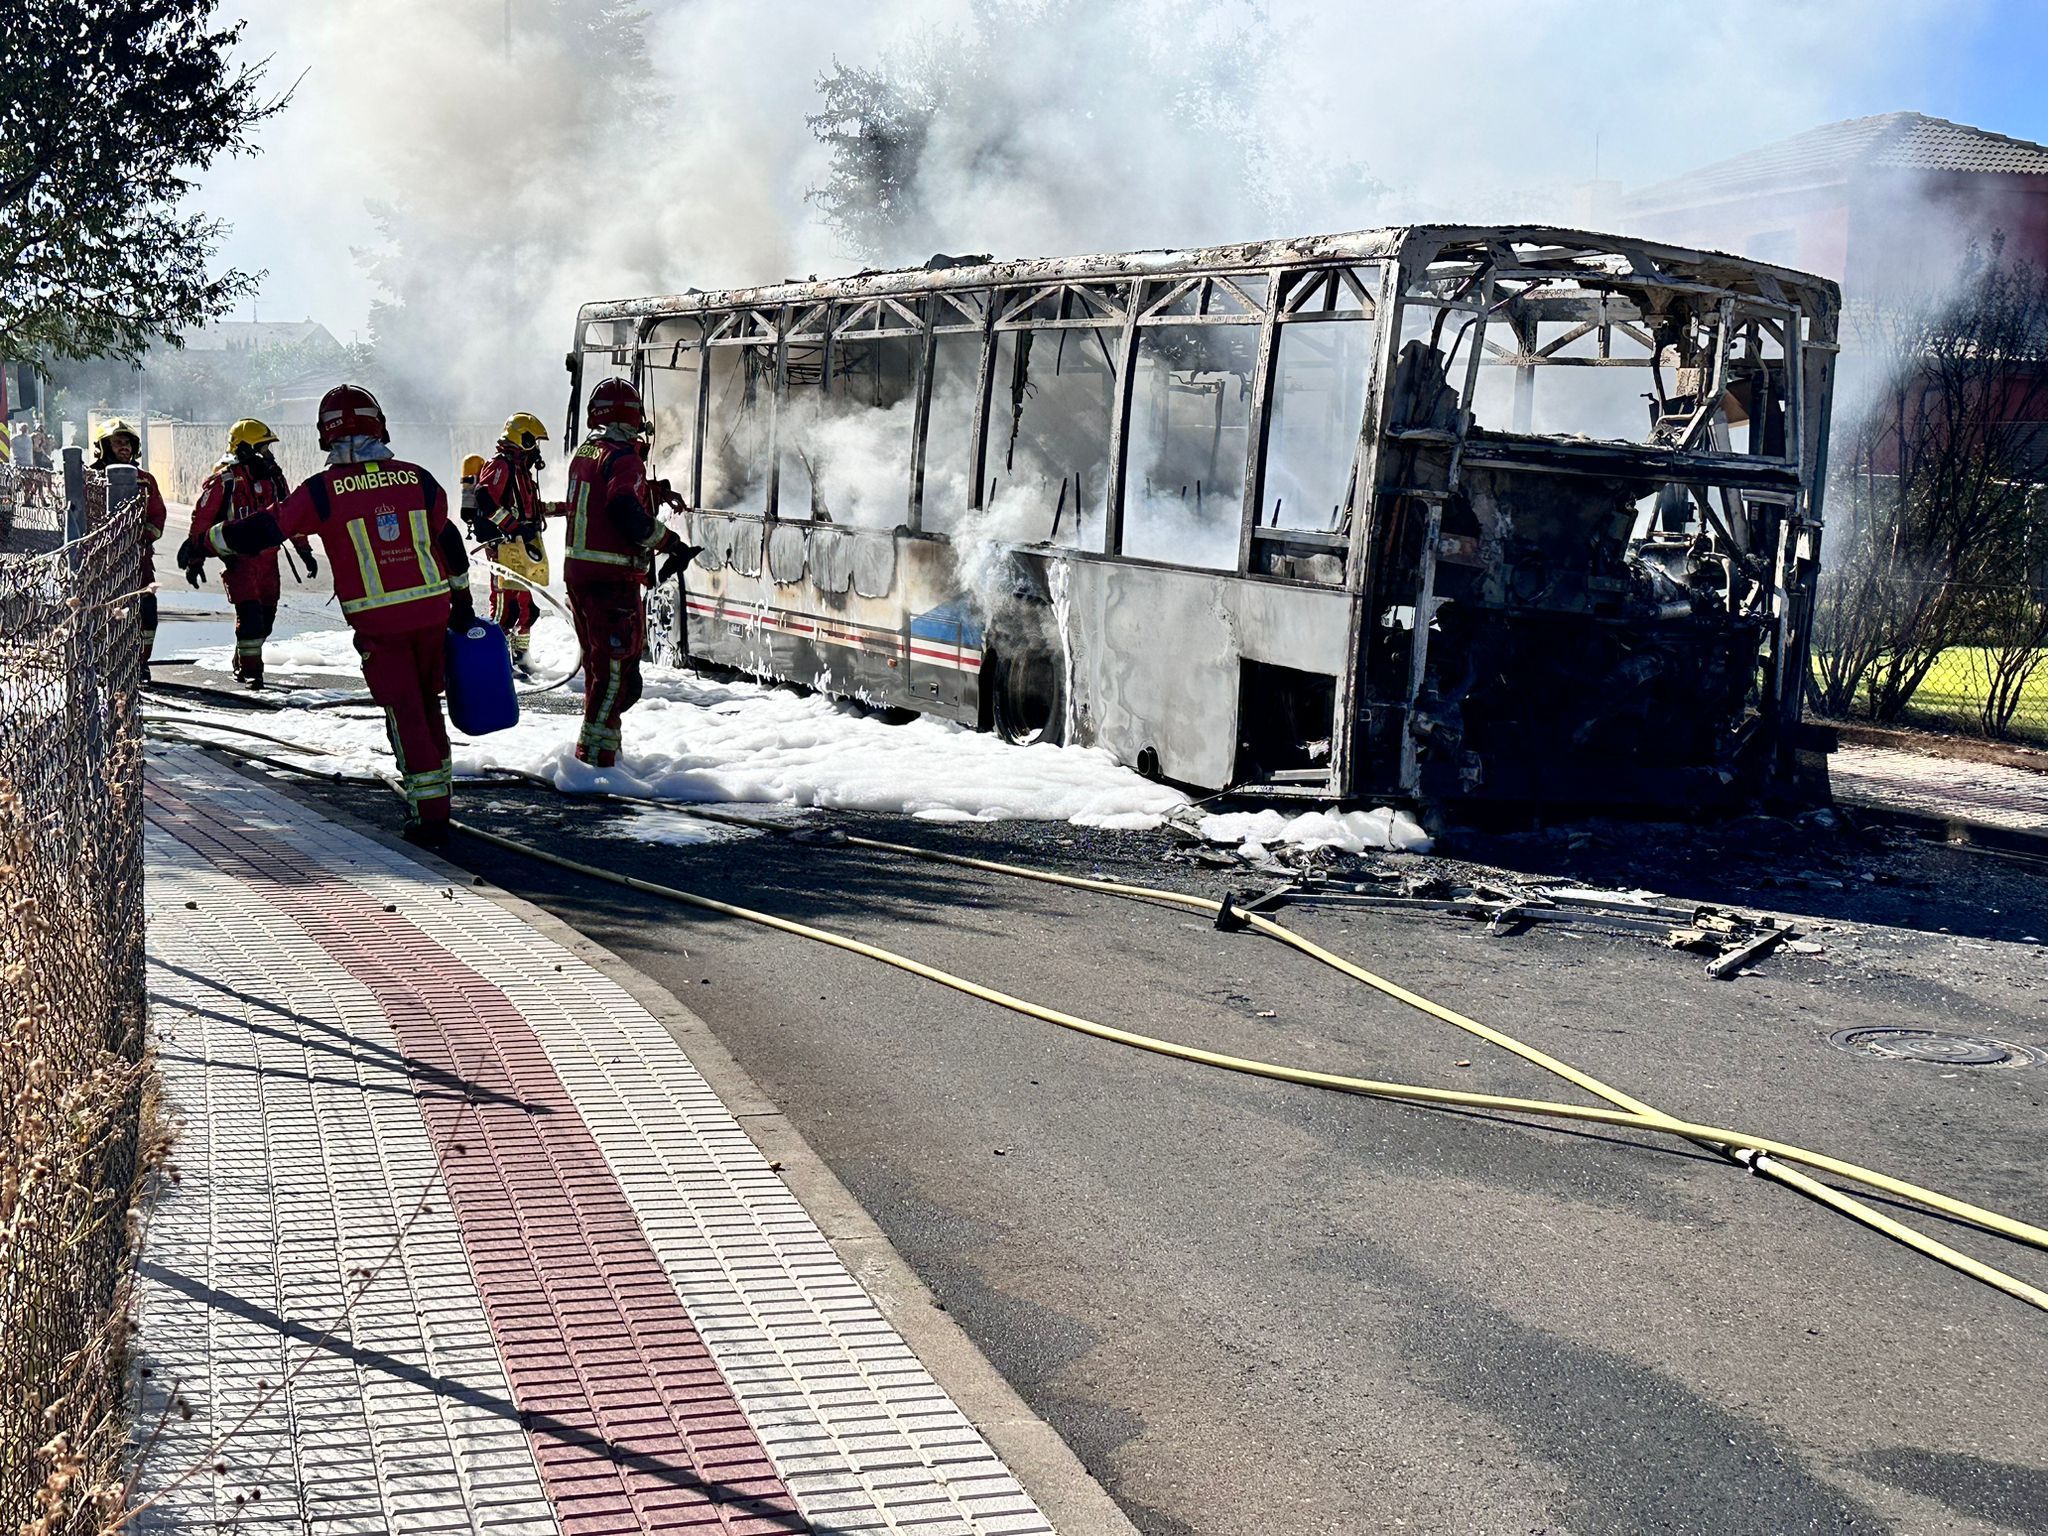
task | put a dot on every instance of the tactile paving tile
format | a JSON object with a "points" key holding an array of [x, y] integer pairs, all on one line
{"points": [[632, 1425], [328, 1403], [860, 1433]]}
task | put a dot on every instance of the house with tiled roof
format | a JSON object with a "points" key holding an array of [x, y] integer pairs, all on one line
{"points": [[1871, 202], [259, 336]]}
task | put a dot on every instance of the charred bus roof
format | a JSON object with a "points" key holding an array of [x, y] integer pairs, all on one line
{"points": [[1599, 259]]}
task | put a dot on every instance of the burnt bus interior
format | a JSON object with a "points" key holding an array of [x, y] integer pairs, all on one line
{"points": [[1439, 515]]}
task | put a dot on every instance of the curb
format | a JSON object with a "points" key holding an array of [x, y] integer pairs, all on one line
{"points": [[1064, 1489], [1957, 831]]}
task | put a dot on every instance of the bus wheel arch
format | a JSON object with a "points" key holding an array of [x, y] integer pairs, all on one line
{"points": [[1024, 695]]}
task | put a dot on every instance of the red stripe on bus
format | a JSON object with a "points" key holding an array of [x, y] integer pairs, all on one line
{"points": [[851, 639]]}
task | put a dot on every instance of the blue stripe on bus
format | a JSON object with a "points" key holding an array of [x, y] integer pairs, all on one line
{"points": [[956, 623]]}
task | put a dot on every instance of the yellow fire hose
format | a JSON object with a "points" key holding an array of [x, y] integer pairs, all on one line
{"points": [[1962, 1210], [1755, 1152], [1761, 1155]]}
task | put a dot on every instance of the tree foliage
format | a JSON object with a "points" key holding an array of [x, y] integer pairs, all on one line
{"points": [[106, 108], [874, 123], [1936, 518]]}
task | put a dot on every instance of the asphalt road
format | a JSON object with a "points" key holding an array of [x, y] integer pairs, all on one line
{"points": [[1254, 1308]]}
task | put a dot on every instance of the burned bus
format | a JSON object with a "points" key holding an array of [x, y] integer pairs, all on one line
{"points": [[1438, 515]]}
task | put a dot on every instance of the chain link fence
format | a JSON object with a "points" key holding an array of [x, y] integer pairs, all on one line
{"points": [[1982, 690], [1990, 681], [72, 1141], [31, 510]]}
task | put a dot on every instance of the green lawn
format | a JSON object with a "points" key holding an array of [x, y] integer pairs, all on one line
{"points": [[1952, 697]]}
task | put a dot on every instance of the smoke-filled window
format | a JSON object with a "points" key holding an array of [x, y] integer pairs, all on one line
{"points": [[737, 427], [673, 362], [1048, 434], [949, 434], [846, 435], [1190, 411], [1318, 411]]}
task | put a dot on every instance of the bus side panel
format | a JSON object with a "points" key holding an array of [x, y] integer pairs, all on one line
{"points": [[891, 631], [1157, 658]]}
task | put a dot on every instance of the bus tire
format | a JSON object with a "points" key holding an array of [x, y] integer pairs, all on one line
{"points": [[1027, 696]]}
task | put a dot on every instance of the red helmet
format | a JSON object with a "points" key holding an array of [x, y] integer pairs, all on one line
{"points": [[349, 410], [616, 401]]}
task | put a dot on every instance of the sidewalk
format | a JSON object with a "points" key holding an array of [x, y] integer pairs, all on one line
{"points": [[461, 1240], [2013, 800]]}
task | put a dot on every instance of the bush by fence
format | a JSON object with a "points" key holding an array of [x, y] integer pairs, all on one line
{"points": [[72, 1010], [1987, 675]]}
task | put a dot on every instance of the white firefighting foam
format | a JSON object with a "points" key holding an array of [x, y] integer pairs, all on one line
{"points": [[1253, 833], [696, 740]]}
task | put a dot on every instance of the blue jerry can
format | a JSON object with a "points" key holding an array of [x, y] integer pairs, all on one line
{"points": [[480, 695]]}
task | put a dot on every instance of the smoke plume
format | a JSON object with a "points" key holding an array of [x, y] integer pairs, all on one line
{"points": [[489, 166]]}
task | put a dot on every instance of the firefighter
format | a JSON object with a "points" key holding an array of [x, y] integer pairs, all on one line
{"points": [[245, 482], [507, 523], [401, 575], [613, 537], [119, 443]]}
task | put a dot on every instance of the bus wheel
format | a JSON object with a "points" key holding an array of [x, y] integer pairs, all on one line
{"points": [[1027, 697]]}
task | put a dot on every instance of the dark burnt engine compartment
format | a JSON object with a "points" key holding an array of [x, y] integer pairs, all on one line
{"points": [[1616, 617]]}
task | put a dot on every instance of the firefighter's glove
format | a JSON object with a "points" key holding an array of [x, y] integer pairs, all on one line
{"points": [[675, 557], [461, 609], [312, 565], [192, 561]]}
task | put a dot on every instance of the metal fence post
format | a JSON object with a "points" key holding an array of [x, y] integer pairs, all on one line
{"points": [[74, 495]]}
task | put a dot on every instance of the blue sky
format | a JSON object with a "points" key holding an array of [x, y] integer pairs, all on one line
{"points": [[1998, 78]]}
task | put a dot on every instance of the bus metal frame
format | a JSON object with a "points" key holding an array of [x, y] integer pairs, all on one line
{"points": [[1664, 585]]}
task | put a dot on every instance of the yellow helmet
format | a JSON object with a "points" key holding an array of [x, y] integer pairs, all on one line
{"points": [[114, 426], [249, 433], [523, 429], [472, 466]]}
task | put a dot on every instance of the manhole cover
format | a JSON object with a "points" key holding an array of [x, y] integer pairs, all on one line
{"points": [[1937, 1046]]}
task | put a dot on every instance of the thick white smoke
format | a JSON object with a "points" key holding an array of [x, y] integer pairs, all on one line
{"points": [[523, 183]]}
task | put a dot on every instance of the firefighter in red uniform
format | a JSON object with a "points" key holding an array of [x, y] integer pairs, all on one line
{"points": [[508, 518], [244, 483], [613, 537], [119, 443], [402, 577]]}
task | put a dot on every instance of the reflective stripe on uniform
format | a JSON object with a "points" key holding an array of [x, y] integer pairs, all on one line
{"points": [[439, 784], [374, 593], [217, 540], [579, 528], [434, 784], [613, 682]]}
